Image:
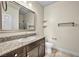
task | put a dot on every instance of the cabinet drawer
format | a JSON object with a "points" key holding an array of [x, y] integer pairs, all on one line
{"points": [[16, 53]]}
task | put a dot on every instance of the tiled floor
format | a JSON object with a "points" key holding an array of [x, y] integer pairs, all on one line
{"points": [[56, 53]]}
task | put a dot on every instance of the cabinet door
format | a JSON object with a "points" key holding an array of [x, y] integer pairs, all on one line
{"points": [[32, 46], [33, 53], [15, 53], [41, 50]]}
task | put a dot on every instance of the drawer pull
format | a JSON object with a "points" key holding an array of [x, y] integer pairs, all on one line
{"points": [[16, 55]]}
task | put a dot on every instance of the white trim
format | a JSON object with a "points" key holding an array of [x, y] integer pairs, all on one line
{"points": [[76, 54]]}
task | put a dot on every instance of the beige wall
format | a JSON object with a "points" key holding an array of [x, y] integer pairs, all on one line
{"points": [[67, 36]]}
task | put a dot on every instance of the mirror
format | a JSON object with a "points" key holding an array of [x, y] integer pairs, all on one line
{"points": [[18, 17], [26, 19]]}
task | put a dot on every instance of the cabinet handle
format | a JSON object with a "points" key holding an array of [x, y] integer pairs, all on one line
{"points": [[16, 55]]}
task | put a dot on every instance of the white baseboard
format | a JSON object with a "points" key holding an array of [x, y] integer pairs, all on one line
{"points": [[76, 54]]}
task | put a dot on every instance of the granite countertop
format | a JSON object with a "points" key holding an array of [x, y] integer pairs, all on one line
{"points": [[14, 33], [8, 46]]}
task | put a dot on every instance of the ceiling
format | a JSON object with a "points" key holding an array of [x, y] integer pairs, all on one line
{"points": [[46, 3], [43, 3]]}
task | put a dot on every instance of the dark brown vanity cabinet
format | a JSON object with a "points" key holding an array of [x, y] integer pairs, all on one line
{"points": [[35, 49], [16, 53]]}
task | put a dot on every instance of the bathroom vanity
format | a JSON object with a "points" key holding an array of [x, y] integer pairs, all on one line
{"points": [[34, 49], [31, 46]]}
